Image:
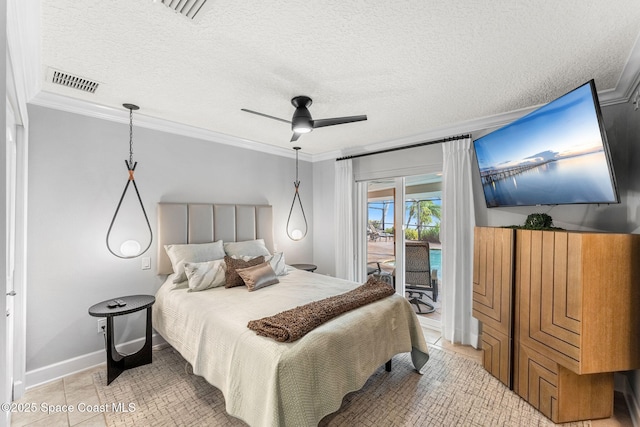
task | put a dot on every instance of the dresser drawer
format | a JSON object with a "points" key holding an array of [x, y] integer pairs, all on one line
{"points": [[496, 354], [560, 394], [493, 278]]}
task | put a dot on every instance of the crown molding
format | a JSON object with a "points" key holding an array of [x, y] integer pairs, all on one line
{"points": [[606, 98], [121, 115], [627, 83], [468, 126]]}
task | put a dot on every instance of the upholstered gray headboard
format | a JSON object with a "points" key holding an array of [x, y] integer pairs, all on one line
{"points": [[180, 223]]}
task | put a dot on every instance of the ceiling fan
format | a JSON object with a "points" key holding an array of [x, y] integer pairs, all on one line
{"points": [[301, 122]]}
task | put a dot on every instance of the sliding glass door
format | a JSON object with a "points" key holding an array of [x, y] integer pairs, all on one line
{"points": [[381, 249], [403, 239], [423, 207]]}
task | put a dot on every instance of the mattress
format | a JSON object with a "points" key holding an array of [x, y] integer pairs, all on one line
{"points": [[267, 383]]}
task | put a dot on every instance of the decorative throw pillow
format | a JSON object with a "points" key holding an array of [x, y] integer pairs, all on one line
{"points": [[252, 248], [277, 263], [258, 276], [232, 276], [205, 275], [200, 252]]}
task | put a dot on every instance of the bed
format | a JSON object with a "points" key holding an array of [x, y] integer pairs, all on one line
{"points": [[265, 382]]}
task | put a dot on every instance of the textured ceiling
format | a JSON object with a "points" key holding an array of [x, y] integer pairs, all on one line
{"points": [[411, 66]]}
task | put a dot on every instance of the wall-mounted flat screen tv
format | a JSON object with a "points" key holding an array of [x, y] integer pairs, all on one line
{"points": [[557, 154]]}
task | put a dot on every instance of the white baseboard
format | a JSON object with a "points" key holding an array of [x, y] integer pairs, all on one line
{"points": [[18, 390], [622, 385], [62, 369]]}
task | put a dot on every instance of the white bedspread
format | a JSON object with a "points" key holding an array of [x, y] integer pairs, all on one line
{"points": [[267, 383]]}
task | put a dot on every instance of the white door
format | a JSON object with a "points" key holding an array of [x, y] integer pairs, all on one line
{"points": [[412, 205], [10, 230]]}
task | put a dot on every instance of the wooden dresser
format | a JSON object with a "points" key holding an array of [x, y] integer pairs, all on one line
{"points": [[560, 313]]}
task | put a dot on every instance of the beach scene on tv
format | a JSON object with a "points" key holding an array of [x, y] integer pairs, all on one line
{"points": [[554, 155]]}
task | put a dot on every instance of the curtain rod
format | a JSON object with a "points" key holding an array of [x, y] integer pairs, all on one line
{"points": [[420, 144]]}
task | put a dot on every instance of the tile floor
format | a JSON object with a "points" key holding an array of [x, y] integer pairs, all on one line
{"points": [[78, 390]]}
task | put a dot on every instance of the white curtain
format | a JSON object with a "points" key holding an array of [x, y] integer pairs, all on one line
{"points": [[360, 229], [344, 220], [456, 233]]}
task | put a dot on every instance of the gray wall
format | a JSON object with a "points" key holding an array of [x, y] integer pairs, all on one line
{"points": [[76, 176], [623, 129]]}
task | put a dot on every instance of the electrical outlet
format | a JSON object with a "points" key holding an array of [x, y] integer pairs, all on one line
{"points": [[102, 325]]}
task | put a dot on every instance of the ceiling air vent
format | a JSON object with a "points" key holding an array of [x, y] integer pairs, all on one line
{"points": [[188, 8], [75, 82]]}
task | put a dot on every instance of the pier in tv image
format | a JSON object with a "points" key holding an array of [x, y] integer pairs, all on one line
{"points": [[557, 154]]}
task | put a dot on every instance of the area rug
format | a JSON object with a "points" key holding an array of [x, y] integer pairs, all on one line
{"points": [[454, 391]]}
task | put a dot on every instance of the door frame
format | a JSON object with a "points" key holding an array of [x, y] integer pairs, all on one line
{"points": [[400, 183], [18, 343], [10, 220], [21, 69]]}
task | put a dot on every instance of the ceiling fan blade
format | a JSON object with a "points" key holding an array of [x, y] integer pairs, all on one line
{"points": [[265, 115], [295, 136], [337, 121]]}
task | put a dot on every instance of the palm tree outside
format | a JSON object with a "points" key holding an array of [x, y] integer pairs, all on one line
{"points": [[423, 220]]}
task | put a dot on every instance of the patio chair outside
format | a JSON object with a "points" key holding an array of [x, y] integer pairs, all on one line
{"points": [[418, 276], [381, 233], [372, 233]]}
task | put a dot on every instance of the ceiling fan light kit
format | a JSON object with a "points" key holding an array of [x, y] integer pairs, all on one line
{"points": [[302, 122]]}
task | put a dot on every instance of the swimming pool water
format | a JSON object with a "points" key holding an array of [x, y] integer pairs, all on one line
{"points": [[435, 256]]}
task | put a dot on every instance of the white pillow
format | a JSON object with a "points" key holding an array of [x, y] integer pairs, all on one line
{"points": [[248, 248], [205, 275], [200, 252], [276, 261]]}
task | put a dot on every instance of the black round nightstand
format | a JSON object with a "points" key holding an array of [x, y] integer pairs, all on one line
{"points": [[307, 267], [116, 362]]}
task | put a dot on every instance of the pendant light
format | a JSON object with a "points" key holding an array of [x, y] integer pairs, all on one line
{"points": [[294, 232], [130, 248]]}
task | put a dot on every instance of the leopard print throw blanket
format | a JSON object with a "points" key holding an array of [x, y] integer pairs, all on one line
{"points": [[291, 325]]}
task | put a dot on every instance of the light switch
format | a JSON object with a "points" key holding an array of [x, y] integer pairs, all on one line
{"points": [[146, 263]]}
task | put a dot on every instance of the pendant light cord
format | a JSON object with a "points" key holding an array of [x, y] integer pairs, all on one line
{"points": [[297, 165], [130, 137], [131, 167]]}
